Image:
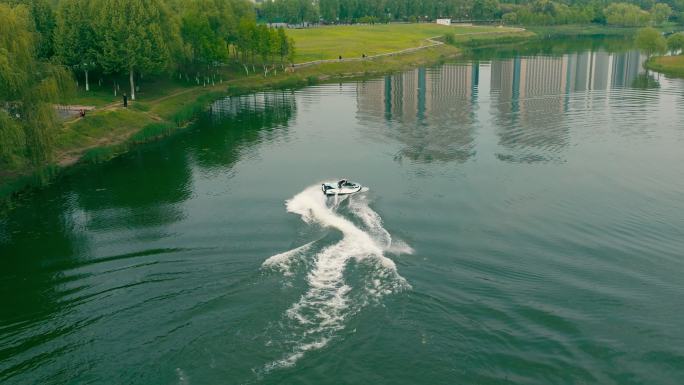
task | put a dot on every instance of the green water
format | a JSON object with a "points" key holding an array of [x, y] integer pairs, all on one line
{"points": [[524, 225]]}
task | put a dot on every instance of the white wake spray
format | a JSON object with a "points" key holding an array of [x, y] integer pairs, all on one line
{"points": [[323, 309]]}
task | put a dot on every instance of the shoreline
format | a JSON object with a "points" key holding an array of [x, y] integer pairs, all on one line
{"points": [[670, 66], [176, 112], [112, 130]]}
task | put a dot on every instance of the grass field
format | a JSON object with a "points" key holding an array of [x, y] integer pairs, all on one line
{"points": [[351, 41], [669, 65]]}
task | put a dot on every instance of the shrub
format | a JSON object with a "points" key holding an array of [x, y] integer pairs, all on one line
{"points": [[510, 18]]}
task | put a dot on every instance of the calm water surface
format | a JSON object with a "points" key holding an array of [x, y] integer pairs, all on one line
{"points": [[525, 225]]}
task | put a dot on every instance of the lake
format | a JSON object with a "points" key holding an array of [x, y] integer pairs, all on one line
{"points": [[524, 225]]}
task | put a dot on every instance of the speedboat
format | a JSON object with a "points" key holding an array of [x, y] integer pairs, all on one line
{"points": [[342, 187]]}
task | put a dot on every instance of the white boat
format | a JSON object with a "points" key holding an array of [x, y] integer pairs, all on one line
{"points": [[342, 187]]}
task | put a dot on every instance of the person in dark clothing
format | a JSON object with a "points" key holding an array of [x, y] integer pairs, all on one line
{"points": [[340, 57], [125, 100]]}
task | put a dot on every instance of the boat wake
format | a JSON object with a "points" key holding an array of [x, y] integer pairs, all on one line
{"points": [[330, 298]]}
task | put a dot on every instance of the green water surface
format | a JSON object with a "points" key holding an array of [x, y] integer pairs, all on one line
{"points": [[524, 225]]}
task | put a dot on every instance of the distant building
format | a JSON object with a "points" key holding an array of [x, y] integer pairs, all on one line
{"points": [[444, 21]]}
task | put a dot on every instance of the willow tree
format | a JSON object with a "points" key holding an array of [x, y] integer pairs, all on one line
{"points": [[75, 39], [675, 43], [650, 41], [28, 88], [131, 37], [42, 16]]}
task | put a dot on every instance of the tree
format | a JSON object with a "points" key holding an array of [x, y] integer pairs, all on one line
{"points": [[274, 44], [509, 18], [75, 42], [28, 87], [264, 44], [660, 13], [626, 15], [484, 9], [247, 40], [291, 50], [675, 43], [42, 16], [206, 45], [650, 41], [283, 45], [132, 38]]}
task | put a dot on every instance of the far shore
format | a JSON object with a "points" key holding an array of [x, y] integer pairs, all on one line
{"points": [[108, 129]]}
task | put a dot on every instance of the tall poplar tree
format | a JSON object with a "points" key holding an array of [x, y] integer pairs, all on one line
{"points": [[132, 37], [75, 39]]}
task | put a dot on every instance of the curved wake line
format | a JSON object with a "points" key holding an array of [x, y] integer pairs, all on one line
{"points": [[328, 302]]}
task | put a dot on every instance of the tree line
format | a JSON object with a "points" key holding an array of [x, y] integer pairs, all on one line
{"points": [[152, 36], [529, 12], [650, 41], [44, 44]]}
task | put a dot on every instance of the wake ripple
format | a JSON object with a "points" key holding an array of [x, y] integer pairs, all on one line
{"points": [[328, 302]]}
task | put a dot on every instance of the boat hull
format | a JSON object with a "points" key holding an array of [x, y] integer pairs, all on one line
{"points": [[330, 189]]}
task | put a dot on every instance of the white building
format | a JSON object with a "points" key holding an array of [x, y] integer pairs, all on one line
{"points": [[444, 21]]}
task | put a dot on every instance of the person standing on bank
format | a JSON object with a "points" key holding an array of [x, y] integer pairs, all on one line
{"points": [[125, 100]]}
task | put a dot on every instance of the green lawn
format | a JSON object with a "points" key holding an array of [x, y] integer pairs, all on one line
{"points": [[351, 41], [100, 127]]}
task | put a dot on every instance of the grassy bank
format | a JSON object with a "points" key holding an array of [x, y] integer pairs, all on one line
{"points": [[352, 41], [669, 65]]}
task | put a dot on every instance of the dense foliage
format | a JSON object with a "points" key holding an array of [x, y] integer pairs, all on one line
{"points": [[28, 87], [538, 12], [675, 43], [650, 41], [44, 42]]}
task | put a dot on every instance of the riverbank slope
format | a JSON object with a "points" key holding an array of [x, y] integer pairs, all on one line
{"points": [[668, 65]]}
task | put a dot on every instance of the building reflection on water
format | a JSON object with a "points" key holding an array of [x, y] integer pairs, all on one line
{"points": [[433, 111]]}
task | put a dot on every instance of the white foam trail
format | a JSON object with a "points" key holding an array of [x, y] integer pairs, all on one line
{"points": [[323, 308], [373, 222], [284, 261], [183, 378]]}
